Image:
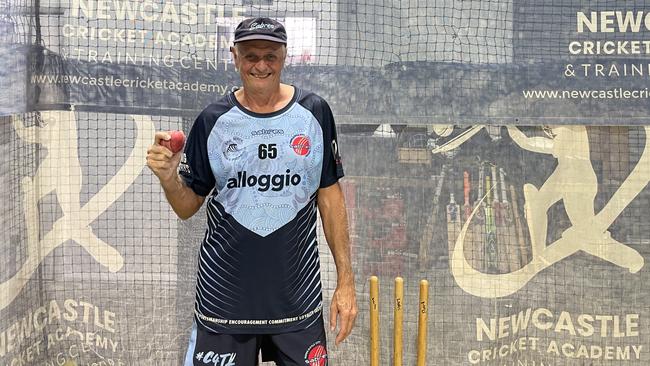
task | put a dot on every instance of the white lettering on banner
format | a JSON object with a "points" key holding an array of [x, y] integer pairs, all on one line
{"points": [[145, 36], [588, 326], [151, 59], [31, 326], [515, 347], [578, 351], [149, 11], [613, 21], [609, 48], [84, 342], [520, 348], [584, 325], [74, 353]]}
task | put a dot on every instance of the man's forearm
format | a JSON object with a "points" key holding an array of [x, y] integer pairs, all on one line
{"points": [[182, 199], [335, 225]]}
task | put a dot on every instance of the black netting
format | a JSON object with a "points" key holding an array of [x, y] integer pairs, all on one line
{"points": [[473, 157]]}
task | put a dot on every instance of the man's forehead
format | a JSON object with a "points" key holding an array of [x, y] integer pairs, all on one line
{"points": [[259, 45]]}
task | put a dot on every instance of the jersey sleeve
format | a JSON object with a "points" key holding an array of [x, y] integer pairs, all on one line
{"points": [[332, 165], [195, 167]]}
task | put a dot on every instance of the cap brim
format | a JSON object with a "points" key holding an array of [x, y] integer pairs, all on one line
{"points": [[260, 37]]}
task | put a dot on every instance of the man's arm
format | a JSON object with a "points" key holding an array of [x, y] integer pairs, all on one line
{"points": [[164, 164], [331, 206]]}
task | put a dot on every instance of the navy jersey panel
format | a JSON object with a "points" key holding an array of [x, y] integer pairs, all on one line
{"points": [[332, 165], [195, 160], [259, 270]]}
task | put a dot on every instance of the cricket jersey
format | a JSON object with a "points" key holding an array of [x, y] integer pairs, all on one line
{"points": [[258, 266]]}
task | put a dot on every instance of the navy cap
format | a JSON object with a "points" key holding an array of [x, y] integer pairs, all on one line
{"points": [[265, 29]]}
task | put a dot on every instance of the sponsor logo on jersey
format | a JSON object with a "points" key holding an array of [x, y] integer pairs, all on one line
{"points": [[301, 145], [267, 131], [316, 355], [264, 182], [337, 158], [231, 149], [183, 167]]}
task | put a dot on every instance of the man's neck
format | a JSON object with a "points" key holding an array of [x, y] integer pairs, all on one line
{"points": [[265, 101]]}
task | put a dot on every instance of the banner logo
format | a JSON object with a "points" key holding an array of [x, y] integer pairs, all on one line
{"points": [[60, 172], [574, 182]]}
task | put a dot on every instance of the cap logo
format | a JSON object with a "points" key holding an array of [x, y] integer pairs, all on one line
{"points": [[261, 26]]}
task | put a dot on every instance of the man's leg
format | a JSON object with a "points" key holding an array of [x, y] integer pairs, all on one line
{"points": [[306, 347]]}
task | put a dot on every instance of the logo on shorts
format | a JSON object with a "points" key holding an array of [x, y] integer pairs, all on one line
{"points": [[216, 359], [301, 144], [316, 355]]}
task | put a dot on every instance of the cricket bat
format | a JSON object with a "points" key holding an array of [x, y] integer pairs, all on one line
{"points": [[496, 205], [467, 208], [453, 222], [510, 243], [491, 254], [478, 225], [427, 234], [480, 215], [503, 261], [505, 205], [472, 248]]}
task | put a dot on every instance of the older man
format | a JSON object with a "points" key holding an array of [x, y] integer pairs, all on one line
{"points": [[266, 157]]}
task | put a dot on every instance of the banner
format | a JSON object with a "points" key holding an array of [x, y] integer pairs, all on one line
{"points": [[532, 63]]}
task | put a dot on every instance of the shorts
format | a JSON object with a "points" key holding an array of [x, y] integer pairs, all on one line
{"points": [[306, 347]]}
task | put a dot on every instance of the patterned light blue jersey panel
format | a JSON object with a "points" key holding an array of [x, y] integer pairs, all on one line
{"points": [[266, 168]]}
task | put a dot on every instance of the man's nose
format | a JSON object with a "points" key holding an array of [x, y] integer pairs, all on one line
{"points": [[261, 65]]}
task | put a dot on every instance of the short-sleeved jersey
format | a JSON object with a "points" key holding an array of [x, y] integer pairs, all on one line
{"points": [[259, 270]]}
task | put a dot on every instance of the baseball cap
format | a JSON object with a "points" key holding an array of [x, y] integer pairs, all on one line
{"points": [[260, 29]]}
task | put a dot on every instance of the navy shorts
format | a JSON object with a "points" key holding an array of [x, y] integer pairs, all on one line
{"points": [[305, 347]]}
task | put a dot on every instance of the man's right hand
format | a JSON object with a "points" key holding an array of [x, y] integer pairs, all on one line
{"points": [[162, 162]]}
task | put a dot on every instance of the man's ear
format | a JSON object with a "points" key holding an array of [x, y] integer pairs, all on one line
{"points": [[233, 52]]}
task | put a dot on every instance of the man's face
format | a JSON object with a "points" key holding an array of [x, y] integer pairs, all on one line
{"points": [[260, 63]]}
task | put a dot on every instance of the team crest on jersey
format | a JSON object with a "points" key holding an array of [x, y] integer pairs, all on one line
{"points": [[301, 145], [316, 355], [232, 148]]}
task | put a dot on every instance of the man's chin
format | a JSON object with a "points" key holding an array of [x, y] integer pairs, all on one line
{"points": [[263, 83]]}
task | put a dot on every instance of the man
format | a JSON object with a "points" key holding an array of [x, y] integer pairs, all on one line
{"points": [[266, 157]]}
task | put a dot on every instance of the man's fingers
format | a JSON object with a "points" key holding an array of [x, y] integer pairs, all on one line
{"points": [[345, 328], [159, 152], [161, 135], [347, 313], [333, 312]]}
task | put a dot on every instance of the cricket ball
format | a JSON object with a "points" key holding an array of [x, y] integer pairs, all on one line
{"points": [[176, 142]]}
